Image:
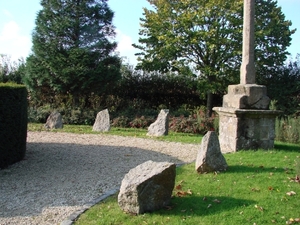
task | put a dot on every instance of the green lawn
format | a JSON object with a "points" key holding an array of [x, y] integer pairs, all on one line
{"points": [[132, 132], [258, 188]]}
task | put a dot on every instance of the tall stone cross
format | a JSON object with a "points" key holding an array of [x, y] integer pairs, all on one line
{"points": [[245, 121], [247, 73]]}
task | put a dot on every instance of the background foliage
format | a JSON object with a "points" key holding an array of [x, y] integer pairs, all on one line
{"points": [[64, 73], [72, 50], [204, 38]]}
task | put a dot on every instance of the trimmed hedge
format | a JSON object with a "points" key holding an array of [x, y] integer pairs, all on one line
{"points": [[13, 123]]}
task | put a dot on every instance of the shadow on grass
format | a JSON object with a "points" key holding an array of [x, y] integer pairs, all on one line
{"points": [[287, 147], [202, 206], [252, 169], [197, 205], [234, 169]]}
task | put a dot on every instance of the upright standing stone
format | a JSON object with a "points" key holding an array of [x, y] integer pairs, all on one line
{"points": [[54, 121], [245, 119], [209, 157], [161, 126], [147, 187], [102, 122]]}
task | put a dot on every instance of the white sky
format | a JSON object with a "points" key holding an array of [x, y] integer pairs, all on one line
{"points": [[17, 20]]}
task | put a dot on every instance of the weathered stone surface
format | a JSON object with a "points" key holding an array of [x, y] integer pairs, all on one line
{"points": [[242, 129], [244, 120], [54, 121], [147, 187], [248, 96], [210, 158], [102, 122], [161, 126], [247, 75]]}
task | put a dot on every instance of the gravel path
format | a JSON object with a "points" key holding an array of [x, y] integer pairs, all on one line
{"points": [[62, 172]]}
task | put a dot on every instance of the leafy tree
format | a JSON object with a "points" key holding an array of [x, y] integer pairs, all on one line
{"points": [[203, 37], [73, 49], [156, 89], [11, 71], [284, 87]]}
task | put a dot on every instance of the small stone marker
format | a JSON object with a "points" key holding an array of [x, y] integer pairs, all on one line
{"points": [[161, 126], [147, 187], [210, 158], [54, 121], [102, 122]]}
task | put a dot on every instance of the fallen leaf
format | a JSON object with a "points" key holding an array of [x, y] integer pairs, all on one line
{"points": [[255, 189], [209, 206], [181, 193], [270, 188], [217, 201], [204, 198], [178, 187], [290, 221], [296, 179], [189, 191], [291, 193], [259, 207]]}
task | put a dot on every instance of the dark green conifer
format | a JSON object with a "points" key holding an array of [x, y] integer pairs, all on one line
{"points": [[73, 49]]}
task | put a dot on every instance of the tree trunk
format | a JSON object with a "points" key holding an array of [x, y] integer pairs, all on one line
{"points": [[209, 104]]}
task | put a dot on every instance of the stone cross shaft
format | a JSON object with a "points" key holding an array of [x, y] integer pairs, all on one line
{"points": [[247, 73]]}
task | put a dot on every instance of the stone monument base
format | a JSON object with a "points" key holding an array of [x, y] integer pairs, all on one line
{"points": [[246, 96], [246, 128]]}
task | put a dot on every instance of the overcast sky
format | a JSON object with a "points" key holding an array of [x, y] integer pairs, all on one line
{"points": [[17, 20]]}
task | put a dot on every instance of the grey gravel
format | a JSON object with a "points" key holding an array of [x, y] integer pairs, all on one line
{"points": [[64, 173]]}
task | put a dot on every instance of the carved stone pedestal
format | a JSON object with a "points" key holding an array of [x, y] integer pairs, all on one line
{"points": [[246, 96], [245, 121], [246, 128]]}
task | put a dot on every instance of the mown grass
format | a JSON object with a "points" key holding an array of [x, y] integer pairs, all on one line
{"points": [[131, 132], [259, 187]]}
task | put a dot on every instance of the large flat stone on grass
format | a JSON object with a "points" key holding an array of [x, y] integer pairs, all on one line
{"points": [[147, 187]]}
